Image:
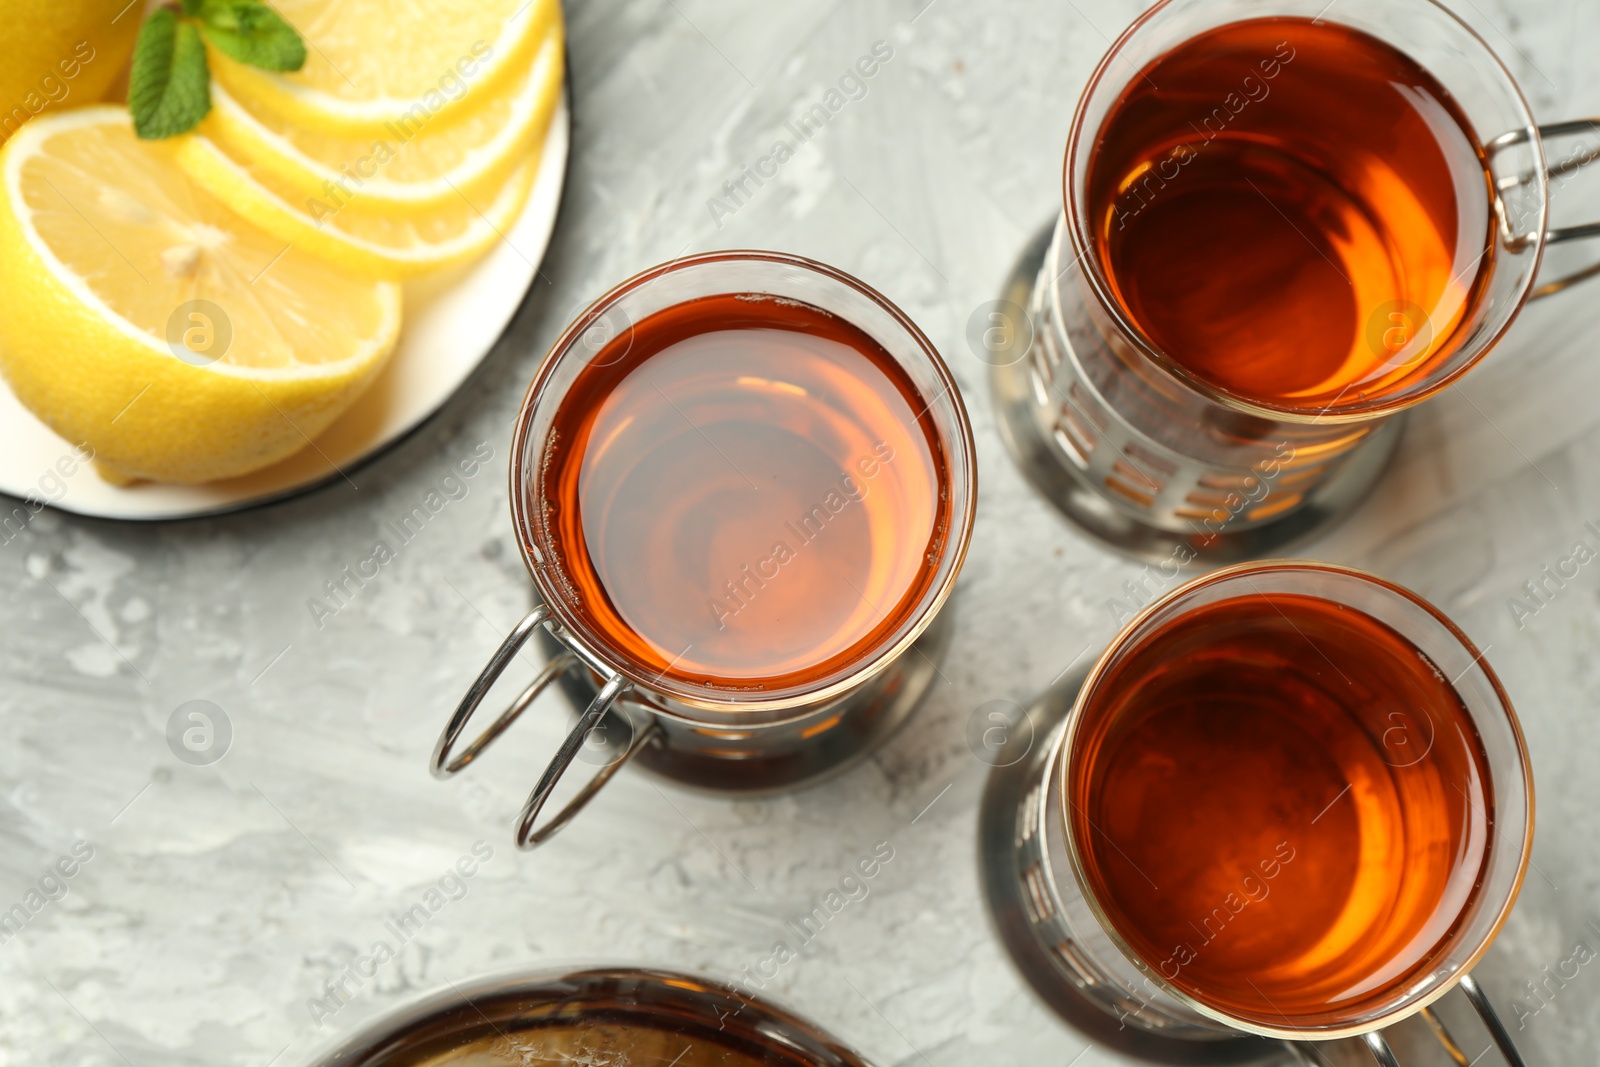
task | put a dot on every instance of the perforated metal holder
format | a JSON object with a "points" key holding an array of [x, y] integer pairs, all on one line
{"points": [[1217, 486], [1057, 933], [1154, 461]]}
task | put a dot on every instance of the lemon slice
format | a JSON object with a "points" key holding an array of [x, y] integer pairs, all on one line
{"points": [[373, 63], [372, 244], [142, 319], [412, 168]]}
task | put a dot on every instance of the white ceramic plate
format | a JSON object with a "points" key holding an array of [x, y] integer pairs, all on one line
{"points": [[452, 321]]}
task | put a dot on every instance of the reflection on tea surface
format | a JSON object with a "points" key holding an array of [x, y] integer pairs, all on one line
{"points": [[747, 491], [597, 1045], [1282, 805], [1294, 211]]}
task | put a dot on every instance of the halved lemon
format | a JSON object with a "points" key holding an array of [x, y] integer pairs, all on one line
{"points": [[64, 52], [413, 167], [372, 63], [143, 319], [345, 233]]}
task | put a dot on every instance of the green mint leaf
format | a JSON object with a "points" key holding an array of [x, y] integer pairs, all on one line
{"points": [[192, 8], [252, 33], [169, 85]]}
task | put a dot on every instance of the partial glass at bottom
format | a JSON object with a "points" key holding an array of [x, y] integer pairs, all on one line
{"points": [[599, 1016], [1294, 800]]}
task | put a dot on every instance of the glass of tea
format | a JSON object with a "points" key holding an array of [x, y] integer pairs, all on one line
{"points": [[743, 484], [1290, 799], [596, 1016], [1286, 222]]}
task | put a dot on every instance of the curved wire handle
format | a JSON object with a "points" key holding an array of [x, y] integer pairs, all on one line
{"points": [[1378, 1045], [443, 766], [1555, 234], [527, 836]]}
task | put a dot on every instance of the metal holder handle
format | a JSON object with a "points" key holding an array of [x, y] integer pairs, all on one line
{"points": [[1558, 234], [1378, 1045], [443, 766]]}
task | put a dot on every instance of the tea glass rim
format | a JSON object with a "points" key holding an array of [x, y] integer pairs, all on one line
{"points": [[435, 1010], [1130, 634], [1080, 227], [601, 653]]}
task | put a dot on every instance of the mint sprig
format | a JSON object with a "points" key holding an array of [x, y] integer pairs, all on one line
{"points": [[169, 85], [250, 32]]}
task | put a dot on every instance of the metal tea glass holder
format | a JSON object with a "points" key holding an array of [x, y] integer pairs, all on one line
{"points": [[1157, 463], [695, 734], [1058, 935]]}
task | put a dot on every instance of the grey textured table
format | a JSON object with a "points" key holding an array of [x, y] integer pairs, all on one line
{"points": [[219, 900]]}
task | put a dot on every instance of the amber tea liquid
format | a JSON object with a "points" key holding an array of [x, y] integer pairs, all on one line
{"points": [[748, 492], [619, 1042], [1282, 805], [1293, 211]]}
